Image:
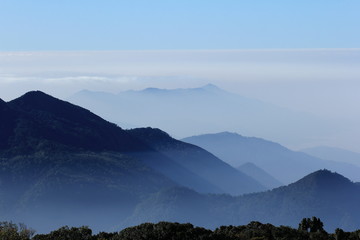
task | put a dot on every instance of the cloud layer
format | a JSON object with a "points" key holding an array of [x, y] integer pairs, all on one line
{"points": [[323, 82]]}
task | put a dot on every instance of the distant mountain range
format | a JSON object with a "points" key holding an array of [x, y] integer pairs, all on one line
{"points": [[287, 166], [60, 164], [185, 112], [334, 154], [329, 196], [60, 161], [199, 161]]}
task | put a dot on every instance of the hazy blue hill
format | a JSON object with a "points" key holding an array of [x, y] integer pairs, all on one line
{"points": [[185, 112], [199, 161], [96, 189], [60, 161], [284, 164], [43, 123], [325, 194], [60, 164], [334, 154], [260, 175]]}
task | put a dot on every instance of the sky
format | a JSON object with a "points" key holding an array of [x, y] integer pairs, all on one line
{"points": [[40, 25], [301, 55]]}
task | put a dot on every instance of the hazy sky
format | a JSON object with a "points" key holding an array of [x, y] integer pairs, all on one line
{"points": [[323, 81], [173, 24]]}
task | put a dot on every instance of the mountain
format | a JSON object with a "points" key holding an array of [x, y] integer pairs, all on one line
{"points": [[96, 189], [39, 121], [259, 175], [199, 161], [327, 195], [286, 165], [61, 164], [334, 154], [42, 123], [185, 112]]}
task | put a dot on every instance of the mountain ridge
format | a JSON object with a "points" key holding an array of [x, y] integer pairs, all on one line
{"points": [[198, 110], [199, 161], [285, 205], [260, 175], [334, 154], [236, 150], [58, 159]]}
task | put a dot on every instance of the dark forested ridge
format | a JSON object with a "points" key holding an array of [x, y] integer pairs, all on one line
{"points": [[37, 122], [309, 228], [325, 194]]}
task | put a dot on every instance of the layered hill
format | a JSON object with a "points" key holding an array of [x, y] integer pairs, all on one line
{"points": [[61, 164], [36, 120], [61, 161], [284, 164], [199, 161], [327, 195], [259, 175]]}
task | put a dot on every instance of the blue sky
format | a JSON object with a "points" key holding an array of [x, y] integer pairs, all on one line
{"points": [[173, 24]]}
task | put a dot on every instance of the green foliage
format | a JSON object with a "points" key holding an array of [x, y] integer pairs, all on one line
{"points": [[66, 233], [11, 231], [164, 231], [177, 231], [311, 225]]}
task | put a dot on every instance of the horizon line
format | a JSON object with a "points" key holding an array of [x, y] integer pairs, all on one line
{"points": [[183, 50]]}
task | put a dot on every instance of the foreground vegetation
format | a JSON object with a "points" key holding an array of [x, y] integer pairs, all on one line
{"points": [[308, 229]]}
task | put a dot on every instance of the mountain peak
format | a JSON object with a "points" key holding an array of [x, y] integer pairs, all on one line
{"points": [[58, 122], [35, 95], [211, 87], [324, 180], [152, 89], [42, 102], [324, 174], [35, 99]]}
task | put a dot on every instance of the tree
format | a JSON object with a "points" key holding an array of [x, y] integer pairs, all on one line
{"points": [[311, 225], [12, 231]]}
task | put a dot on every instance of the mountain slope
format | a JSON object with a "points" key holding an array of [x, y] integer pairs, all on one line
{"points": [[95, 189], [260, 175], [329, 196], [199, 161], [286, 165], [42, 119], [60, 161], [41, 123]]}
